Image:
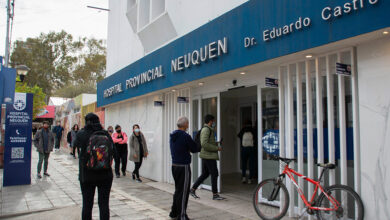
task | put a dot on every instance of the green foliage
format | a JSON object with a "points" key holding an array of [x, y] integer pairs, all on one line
{"points": [[39, 96], [71, 91], [58, 62]]}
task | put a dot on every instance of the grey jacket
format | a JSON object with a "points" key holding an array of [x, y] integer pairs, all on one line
{"points": [[38, 141], [73, 134], [134, 147]]}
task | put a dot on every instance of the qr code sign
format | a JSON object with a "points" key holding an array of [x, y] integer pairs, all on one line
{"points": [[17, 153]]}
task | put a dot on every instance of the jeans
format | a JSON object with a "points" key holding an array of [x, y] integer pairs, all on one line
{"points": [[57, 142], [121, 157], [209, 167], [247, 153], [182, 176], [43, 157], [88, 192], [137, 166]]}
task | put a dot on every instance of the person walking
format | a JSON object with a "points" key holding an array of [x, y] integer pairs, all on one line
{"points": [[110, 130], [209, 155], [44, 142], [120, 141], [247, 140], [91, 177], [73, 134], [181, 145], [138, 151], [58, 130]]}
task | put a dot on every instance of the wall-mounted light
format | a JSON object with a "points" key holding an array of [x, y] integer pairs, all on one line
{"points": [[201, 84], [385, 32], [309, 56], [243, 73], [173, 90]]}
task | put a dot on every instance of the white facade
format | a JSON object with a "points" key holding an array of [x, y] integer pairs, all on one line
{"points": [[367, 113]]}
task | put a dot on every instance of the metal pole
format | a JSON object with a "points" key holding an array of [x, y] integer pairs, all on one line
{"points": [[7, 43]]}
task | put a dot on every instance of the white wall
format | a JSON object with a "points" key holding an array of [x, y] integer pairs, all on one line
{"points": [[374, 107], [123, 44], [142, 112]]}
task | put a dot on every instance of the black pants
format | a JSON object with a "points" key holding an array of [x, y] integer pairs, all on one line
{"points": [[182, 176], [137, 166], [247, 153], [57, 142], [209, 167], [88, 192], [74, 151], [121, 157]]}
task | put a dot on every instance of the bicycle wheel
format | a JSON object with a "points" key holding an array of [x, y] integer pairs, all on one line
{"points": [[351, 203], [271, 199]]}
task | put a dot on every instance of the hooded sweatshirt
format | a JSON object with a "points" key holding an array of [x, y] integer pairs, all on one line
{"points": [[181, 145]]}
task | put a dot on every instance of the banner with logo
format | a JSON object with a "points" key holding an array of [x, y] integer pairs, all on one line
{"points": [[18, 130]]}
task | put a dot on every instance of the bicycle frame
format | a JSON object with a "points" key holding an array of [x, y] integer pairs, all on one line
{"points": [[290, 172]]}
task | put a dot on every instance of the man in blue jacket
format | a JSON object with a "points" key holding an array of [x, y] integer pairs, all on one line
{"points": [[181, 145]]}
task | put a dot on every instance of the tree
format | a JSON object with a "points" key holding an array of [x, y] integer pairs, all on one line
{"points": [[58, 62], [39, 96], [51, 58], [71, 91]]}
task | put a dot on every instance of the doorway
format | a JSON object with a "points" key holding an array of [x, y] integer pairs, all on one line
{"points": [[238, 108]]}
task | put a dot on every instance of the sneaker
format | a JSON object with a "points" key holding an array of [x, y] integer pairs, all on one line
{"points": [[46, 174], [39, 176], [249, 181], [124, 173], [243, 180], [138, 180], [218, 197], [118, 176], [193, 194]]}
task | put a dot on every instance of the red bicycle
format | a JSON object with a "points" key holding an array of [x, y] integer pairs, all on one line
{"points": [[271, 198]]}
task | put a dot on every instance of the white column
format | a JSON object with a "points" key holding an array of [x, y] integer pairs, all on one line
{"points": [[320, 128], [343, 127], [282, 124], [219, 136], [290, 135], [259, 135], [299, 130], [331, 143], [309, 126], [356, 123]]}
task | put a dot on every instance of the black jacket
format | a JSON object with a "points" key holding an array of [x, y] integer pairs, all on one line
{"points": [[82, 139], [181, 145]]}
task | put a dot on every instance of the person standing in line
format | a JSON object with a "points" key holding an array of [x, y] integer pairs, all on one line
{"points": [[181, 145], [120, 141], [138, 151], [90, 179], [247, 140], [58, 130], [73, 133], [209, 155], [110, 130], [44, 142]]}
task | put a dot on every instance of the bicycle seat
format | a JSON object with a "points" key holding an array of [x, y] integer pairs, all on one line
{"points": [[285, 160], [330, 166]]}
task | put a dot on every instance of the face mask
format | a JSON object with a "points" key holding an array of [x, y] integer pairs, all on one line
{"points": [[110, 131], [136, 130], [213, 125], [118, 131]]}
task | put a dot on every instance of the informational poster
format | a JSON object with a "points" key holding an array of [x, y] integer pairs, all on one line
{"points": [[270, 82], [18, 129], [343, 69]]}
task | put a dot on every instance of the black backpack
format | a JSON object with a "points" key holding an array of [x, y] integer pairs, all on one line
{"points": [[100, 151], [197, 139]]}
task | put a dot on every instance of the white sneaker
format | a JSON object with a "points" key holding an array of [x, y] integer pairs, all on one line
{"points": [[243, 180]]}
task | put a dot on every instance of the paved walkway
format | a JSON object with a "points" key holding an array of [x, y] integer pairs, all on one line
{"points": [[60, 196]]}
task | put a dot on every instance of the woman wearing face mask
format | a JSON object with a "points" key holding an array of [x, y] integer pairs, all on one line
{"points": [[120, 141], [110, 130], [138, 150]]}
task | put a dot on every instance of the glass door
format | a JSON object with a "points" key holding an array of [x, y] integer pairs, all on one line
{"points": [[204, 106]]}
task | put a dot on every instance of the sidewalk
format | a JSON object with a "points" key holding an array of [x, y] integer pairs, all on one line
{"points": [[59, 195]]}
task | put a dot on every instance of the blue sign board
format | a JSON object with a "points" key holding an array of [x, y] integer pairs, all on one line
{"points": [[270, 82], [18, 129], [254, 32], [7, 86]]}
